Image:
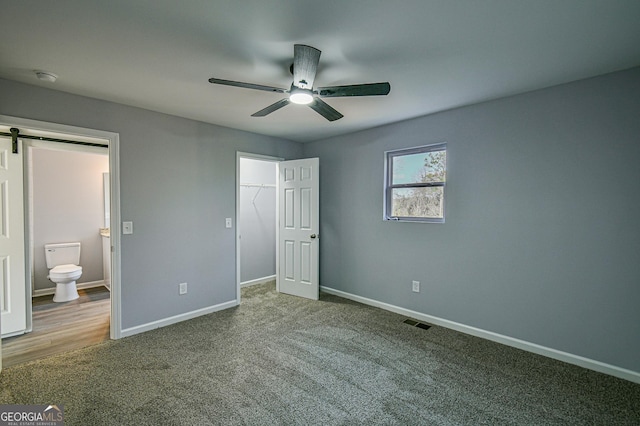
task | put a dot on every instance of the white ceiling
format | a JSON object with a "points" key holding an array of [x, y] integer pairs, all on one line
{"points": [[437, 55]]}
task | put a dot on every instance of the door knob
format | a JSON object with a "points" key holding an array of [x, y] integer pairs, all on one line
{"points": [[313, 236]]}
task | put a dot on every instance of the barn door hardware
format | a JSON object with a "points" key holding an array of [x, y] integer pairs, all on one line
{"points": [[14, 139]]}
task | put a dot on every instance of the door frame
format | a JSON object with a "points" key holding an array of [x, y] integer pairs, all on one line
{"points": [[252, 156], [113, 140]]}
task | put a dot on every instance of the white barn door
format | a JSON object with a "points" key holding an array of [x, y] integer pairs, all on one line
{"points": [[12, 257], [298, 226]]}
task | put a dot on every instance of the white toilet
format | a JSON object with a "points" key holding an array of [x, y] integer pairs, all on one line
{"points": [[62, 261]]}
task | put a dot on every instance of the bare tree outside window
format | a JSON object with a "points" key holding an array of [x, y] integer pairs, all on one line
{"points": [[415, 184]]}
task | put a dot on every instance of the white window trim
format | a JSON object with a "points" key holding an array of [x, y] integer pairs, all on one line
{"points": [[387, 187]]}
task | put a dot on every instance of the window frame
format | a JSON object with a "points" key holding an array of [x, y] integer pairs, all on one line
{"points": [[389, 186]]}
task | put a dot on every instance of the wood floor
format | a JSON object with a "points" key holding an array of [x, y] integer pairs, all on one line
{"points": [[61, 327]]}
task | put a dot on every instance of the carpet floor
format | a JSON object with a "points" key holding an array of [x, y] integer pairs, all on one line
{"points": [[282, 360]]}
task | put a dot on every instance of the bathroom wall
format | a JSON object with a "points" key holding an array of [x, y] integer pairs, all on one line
{"points": [[68, 205], [257, 219]]}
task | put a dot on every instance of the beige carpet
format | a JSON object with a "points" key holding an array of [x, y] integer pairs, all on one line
{"points": [[281, 360]]}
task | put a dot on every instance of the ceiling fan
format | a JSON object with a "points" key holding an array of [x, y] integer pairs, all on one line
{"points": [[304, 68]]}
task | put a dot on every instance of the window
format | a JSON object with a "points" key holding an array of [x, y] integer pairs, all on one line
{"points": [[414, 185]]}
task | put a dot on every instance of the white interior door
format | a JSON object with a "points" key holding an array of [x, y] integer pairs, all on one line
{"points": [[298, 226], [12, 257]]}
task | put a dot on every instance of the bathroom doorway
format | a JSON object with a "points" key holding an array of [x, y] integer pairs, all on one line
{"points": [[66, 204], [61, 149], [256, 177]]}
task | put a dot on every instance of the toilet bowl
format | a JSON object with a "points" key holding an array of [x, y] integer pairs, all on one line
{"points": [[63, 259], [65, 277]]}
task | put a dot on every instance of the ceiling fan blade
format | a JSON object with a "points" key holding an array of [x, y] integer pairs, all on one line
{"points": [[247, 85], [371, 89], [325, 110], [271, 108], [305, 65]]}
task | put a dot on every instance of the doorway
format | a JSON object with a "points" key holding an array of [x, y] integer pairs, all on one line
{"points": [[31, 130], [283, 238], [66, 203], [256, 219]]}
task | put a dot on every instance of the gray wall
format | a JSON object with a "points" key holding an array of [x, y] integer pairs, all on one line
{"points": [[541, 239], [68, 205], [177, 183], [257, 219]]}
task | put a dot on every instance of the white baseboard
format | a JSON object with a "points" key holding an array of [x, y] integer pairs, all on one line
{"points": [[79, 286], [257, 281], [177, 318], [601, 367]]}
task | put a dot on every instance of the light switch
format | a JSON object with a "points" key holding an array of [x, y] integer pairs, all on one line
{"points": [[227, 222], [127, 227]]}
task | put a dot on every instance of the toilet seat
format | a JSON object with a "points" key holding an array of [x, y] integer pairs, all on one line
{"points": [[65, 272]]}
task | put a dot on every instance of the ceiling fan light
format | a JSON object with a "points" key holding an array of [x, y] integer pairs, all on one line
{"points": [[301, 96]]}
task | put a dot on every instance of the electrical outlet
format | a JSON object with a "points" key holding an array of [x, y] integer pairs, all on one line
{"points": [[227, 222], [183, 288], [415, 286]]}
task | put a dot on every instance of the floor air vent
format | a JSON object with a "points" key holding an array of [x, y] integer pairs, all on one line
{"points": [[414, 323]]}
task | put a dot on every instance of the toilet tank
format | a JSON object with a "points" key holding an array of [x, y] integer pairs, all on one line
{"points": [[62, 254]]}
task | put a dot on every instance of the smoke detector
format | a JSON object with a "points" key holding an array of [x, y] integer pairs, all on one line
{"points": [[46, 76]]}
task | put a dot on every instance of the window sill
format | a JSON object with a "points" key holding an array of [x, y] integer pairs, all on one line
{"points": [[409, 220]]}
